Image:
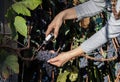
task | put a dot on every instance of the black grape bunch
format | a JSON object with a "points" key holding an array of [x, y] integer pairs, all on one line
{"points": [[44, 56], [98, 63], [83, 62]]}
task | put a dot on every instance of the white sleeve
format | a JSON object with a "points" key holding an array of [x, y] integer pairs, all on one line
{"points": [[89, 8], [112, 29], [99, 38]]}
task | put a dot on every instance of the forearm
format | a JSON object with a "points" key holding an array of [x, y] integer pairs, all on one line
{"points": [[101, 37], [68, 14], [89, 45], [75, 52], [109, 31], [95, 41], [89, 8]]}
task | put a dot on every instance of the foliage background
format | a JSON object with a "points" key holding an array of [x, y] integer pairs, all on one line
{"points": [[28, 20]]}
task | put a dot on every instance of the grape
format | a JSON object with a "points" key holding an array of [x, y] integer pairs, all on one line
{"points": [[83, 62], [45, 79], [85, 76], [111, 50], [117, 68], [97, 63], [105, 79], [108, 6], [44, 56]]}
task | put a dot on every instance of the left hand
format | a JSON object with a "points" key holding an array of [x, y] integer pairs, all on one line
{"points": [[60, 60], [64, 57]]}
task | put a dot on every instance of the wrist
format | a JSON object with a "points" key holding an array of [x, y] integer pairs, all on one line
{"points": [[68, 14], [75, 53], [62, 15]]}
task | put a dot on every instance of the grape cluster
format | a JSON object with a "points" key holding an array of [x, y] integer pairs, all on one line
{"points": [[111, 53], [44, 56], [83, 62], [98, 63], [111, 50], [106, 79], [117, 68]]}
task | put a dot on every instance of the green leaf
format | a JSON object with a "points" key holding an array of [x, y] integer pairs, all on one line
{"points": [[14, 33], [20, 25], [8, 63], [63, 76], [11, 63], [20, 8], [73, 74], [32, 4], [10, 15], [3, 55]]}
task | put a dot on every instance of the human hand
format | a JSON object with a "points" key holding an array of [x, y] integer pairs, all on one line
{"points": [[60, 60], [64, 57], [55, 25]]}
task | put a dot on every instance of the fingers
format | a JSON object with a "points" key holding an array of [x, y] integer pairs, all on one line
{"points": [[55, 61], [53, 28], [52, 60], [56, 32], [49, 30]]}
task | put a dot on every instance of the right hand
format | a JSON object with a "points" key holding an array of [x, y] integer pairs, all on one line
{"points": [[55, 25]]}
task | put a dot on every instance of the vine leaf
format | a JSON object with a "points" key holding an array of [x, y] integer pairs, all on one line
{"points": [[19, 8], [10, 15], [20, 25], [73, 74], [32, 4], [12, 59], [63, 76], [8, 64]]}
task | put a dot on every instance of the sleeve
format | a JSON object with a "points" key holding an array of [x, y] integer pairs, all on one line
{"points": [[101, 37], [89, 8]]}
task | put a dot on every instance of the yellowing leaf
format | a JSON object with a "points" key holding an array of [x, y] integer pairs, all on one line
{"points": [[5, 73], [63, 76], [73, 74], [20, 25]]}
